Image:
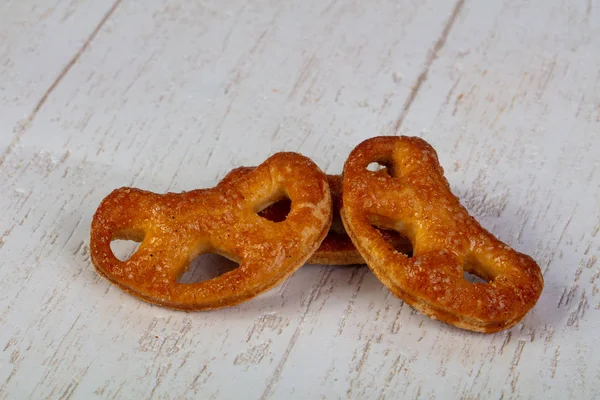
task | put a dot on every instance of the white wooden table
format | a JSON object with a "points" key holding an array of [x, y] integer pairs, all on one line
{"points": [[170, 95]]}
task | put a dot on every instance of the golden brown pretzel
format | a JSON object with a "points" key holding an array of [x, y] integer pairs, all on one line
{"points": [[411, 196], [336, 248], [175, 228]]}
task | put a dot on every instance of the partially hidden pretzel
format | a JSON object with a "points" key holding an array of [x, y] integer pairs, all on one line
{"points": [[411, 195], [336, 248], [175, 228]]}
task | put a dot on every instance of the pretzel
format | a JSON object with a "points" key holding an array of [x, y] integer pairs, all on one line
{"points": [[336, 248], [410, 195], [175, 228]]}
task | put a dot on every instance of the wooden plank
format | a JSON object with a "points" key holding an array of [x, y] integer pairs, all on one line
{"points": [[170, 96], [513, 106], [40, 43]]}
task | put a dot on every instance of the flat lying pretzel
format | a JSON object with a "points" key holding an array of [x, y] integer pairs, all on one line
{"points": [[175, 228], [411, 195], [336, 248]]}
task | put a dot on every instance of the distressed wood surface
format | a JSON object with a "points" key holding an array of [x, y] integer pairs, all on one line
{"points": [[169, 96], [39, 44]]}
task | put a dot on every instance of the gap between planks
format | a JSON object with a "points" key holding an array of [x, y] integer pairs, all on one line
{"points": [[432, 55], [23, 125]]}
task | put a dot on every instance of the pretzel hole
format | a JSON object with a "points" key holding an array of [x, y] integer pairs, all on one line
{"points": [[476, 272], [123, 249], [205, 267], [381, 167], [397, 234], [396, 240], [276, 211], [472, 278]]}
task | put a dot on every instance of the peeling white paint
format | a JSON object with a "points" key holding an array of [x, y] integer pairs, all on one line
{"points": [[169, 96]]}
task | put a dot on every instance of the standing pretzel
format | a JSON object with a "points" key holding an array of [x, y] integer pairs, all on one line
{"points": [[175, 228], [336, 248], [411, 195]]}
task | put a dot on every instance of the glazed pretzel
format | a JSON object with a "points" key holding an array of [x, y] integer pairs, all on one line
{"points": [[175, 228], [336, 248], [411, 196]]}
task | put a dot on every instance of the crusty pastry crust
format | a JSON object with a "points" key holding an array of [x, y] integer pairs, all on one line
{"points": [[336, 248], [412, 196], [175, 228]]}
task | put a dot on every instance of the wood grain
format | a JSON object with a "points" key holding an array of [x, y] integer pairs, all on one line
{"points": [[172, 95], [34, 61]]}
